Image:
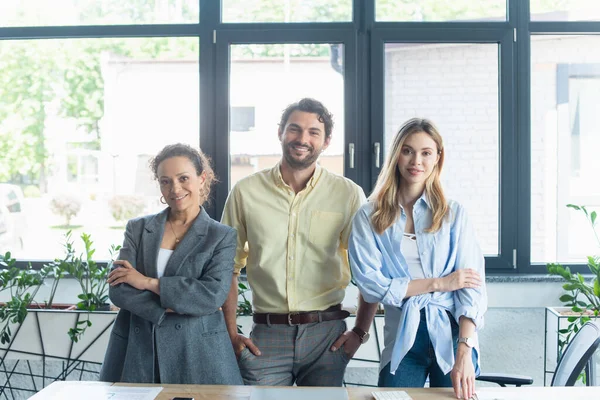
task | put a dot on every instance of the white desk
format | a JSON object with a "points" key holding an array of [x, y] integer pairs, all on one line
{"points": [[214, 392]]}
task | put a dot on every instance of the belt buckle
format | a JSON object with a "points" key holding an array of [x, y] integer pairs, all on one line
{"points": [[289, 318]]}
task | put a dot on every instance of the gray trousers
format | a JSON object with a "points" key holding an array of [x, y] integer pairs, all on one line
{"points": [[297, 354]]}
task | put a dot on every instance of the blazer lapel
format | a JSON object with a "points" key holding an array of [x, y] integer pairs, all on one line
{"points": [[192, 238], [151, 240]]}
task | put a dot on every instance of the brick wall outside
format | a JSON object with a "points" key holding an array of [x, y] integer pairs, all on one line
{"points": [[456, 85]]}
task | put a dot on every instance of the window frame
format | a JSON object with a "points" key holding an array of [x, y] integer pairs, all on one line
{"points": [[250, 35], [364, 39], [527, 28], [502, 34]]}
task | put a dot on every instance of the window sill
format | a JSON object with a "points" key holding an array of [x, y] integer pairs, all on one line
{"points": [[506, 278]]}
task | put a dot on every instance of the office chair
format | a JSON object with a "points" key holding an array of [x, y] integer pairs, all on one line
{"points": [[578, 355]]}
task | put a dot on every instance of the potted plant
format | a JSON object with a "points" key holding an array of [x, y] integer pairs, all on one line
{"points": [[91, 278], [23, 285], [583, 296], [48, 334]]}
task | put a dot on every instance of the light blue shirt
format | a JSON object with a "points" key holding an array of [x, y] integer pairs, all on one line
{"points": [[382, 275]]}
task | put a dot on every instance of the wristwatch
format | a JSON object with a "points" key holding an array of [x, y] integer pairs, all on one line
{"points": [[469, 341], [362, 335]]}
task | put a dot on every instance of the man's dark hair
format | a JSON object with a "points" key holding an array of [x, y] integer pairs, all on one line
{"points": [[310, 106]]}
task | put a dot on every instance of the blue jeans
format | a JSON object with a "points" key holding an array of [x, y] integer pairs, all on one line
{"points": [[420, 362]]}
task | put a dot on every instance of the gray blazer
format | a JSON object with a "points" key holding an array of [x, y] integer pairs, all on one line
{"points": [[191, 345]]}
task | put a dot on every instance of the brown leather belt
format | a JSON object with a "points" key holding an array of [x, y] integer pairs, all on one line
{"points": [[298, 318]]}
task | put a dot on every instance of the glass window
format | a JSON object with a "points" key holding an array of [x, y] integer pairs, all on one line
{"points": [[242, 119], [440, 10], [565, 10], [456, 86], [97, 12], [287, 10], [82, 118], [293, 71], [565, 115]]}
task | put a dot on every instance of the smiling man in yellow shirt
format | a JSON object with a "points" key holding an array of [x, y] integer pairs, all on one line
{"points": [[293, 223]]}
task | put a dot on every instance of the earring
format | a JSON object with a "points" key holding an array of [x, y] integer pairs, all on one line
{"points": [[162, 200]]}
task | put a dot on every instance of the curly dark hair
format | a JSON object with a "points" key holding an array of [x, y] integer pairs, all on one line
{"points": [[310, 106], [196, 156]]}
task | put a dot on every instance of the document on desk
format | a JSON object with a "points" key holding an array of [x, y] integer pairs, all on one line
{"points": [[497, 395], [93, 392], [278, 393]]}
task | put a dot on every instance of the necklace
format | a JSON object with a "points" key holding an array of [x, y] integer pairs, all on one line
{"points": [[174, 234]]}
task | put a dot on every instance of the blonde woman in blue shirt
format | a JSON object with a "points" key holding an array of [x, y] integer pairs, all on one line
{"points": [[416, 253]]}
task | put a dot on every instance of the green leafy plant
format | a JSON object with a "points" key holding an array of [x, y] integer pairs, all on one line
{"points": [[582, 298], [91, 278], [23, 285], [56, 270], [244, 306]]}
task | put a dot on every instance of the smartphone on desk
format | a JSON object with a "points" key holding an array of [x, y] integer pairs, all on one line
{"points": [[182, 398]]}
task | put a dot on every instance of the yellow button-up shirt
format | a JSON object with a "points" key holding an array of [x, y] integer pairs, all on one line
{"points": [[294, 246]]}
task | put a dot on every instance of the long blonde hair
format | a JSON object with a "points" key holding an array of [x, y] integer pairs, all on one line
{"points": [[385, 194]]}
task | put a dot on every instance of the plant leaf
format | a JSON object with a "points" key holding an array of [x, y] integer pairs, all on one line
{"points": [[566, 297]]}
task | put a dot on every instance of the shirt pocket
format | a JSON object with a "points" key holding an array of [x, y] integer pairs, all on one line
{"points": [[325, 228]]}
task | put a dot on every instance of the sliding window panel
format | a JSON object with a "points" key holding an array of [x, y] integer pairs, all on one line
{"points": [[264, 79], [257, 81], [465, 88], [79, 121], [565, 115]]}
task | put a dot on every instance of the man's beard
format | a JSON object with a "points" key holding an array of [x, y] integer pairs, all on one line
{"points": [[296, 163]]}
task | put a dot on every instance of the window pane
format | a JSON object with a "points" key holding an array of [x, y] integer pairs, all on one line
{"points": [[440, 10], [565, 10], [287, 10], [266, 79], [97, 12], [79, 120], [457, 88], [565, 115]]}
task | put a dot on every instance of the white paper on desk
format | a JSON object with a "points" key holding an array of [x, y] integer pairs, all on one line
{"points": [[497, 395], [93, 392], [282, 393]]}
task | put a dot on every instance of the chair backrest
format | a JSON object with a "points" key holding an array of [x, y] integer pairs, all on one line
{"points": [[581, 349]]}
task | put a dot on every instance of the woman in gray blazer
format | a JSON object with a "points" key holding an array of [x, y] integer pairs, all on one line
{"points": [[173, 275]]}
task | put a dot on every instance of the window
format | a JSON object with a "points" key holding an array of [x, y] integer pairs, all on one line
{"points": [[97, 12], [565, 10], [440, 10], [565, 110], [94, 106], [458, 90], [257, 11], [293, 71], [90, 90]]}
